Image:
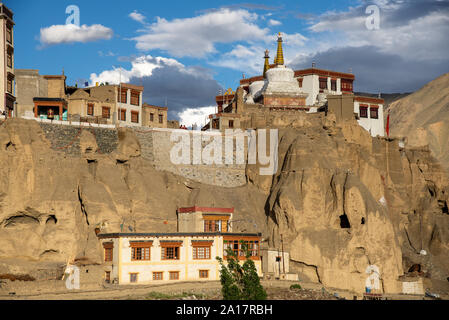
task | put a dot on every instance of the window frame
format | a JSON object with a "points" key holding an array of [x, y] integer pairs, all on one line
{"points": [[375, 109], [135, 95], [131, 274], [151, 117], [122, 96], [206, 255], [91, 106], [9, 37], [141, 251], [108, 112], [323, 80], [333, 84], [9, 58], [161, 118], [108, 252], [170, 273], [107, 276], [122, 111], [157, 273], [201, 273], [9, 85], [363, 111], [133, 115]]}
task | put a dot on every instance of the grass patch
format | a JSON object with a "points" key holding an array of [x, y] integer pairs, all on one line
{"points": [[295, 287]]}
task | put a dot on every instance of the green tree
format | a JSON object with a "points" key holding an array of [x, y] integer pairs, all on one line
{"points": [[240, 281]]}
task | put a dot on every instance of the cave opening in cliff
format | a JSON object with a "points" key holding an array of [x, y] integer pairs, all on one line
{"points": [[363, 220], [344, 221]]}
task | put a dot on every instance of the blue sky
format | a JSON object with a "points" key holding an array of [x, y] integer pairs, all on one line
{"points": [[184, 51]]}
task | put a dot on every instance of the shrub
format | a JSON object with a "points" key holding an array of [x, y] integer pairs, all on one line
{"points": [[295, 286], [240, 282]]}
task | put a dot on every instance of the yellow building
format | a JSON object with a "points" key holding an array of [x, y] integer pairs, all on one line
{"points": [[144, 258], [154, 116]]}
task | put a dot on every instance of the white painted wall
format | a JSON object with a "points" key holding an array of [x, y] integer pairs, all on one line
{"points": [[374, 126]]}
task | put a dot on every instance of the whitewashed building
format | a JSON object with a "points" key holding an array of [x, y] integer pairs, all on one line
{"points": [[145, 258]]}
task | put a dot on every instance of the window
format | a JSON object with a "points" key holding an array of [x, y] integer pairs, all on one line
{"points": [[204, 274], [135, 116], [174, 275], [106, 112], [231, 123], [300, 82], [334, 85], [141, 251], [123, 98], [346, 85], [122, 114], [107, 276], [90, 109], [9, 86], [152, 117], [161, 118], [170, 253], [135, 98], [201, 253], [9, 59], [9, 34], [374, 112], [363, 112], [133, 277], [108, 251], [323, 83], [158, 276], [236, 246], [216, 224]]}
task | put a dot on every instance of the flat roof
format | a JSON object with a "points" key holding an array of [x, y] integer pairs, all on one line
{"points": [[205, 209], [175, 234]]}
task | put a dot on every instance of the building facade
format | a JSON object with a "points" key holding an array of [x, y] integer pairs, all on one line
{"points": [[154, 116], [7, 76], [282, 89], [190, 255]]}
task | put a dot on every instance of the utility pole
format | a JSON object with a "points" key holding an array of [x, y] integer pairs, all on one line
{"points": [[283, 261]]}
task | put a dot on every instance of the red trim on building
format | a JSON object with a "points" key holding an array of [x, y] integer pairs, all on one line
{"points": [[206, 209], [369, 100]]}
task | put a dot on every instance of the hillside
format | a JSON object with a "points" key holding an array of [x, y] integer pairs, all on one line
{"points": [[423, 118], [341, 199]]}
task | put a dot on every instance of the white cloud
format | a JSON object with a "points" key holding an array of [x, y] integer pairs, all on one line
{"points": [[407, 29], [140, 67], [198, 116], [70, 33], [197, 36], [136, 16], [273, 22]]}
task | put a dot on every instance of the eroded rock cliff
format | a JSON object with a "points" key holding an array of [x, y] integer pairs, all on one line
{"points": [[341, 200]]}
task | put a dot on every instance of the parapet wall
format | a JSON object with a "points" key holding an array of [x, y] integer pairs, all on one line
{"points": [[155, 147]]}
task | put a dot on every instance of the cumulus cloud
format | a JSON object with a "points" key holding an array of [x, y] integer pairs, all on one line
{"points": [[409, 48], [198, 116], [70, 33], [407, 28], [273, 22], [136, 16], [167, 80], [197, 36]]}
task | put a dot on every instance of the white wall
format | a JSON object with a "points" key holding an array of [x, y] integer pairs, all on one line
{"points": [[374, 126]]}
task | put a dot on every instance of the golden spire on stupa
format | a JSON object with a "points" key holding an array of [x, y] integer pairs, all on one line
{"points": [[279, 61], [266, 66]]}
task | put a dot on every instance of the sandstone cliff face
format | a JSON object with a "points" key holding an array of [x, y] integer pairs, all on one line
{"points": [[422, 117], [341, 200]]}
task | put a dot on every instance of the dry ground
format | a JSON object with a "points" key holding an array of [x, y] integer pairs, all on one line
{"points": [[276, 290]]}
